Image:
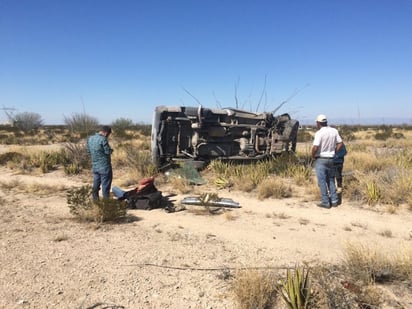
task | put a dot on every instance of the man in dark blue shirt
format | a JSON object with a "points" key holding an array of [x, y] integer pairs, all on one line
{"points": [[99, 149], [338, 163]]}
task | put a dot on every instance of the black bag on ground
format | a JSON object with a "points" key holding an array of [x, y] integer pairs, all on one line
{"points": [[148, 198]]}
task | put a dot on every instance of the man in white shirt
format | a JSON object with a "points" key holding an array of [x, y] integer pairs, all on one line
{"points": [[326, 143]]}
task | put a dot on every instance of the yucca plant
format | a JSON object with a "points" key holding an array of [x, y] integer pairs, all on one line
{"points": [[295, 290], [222, 182], [373, 193]]}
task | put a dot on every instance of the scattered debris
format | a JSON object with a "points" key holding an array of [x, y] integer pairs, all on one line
{"points": [[210, 200]]}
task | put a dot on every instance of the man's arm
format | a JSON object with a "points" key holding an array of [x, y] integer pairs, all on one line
{"points": [[338, 147], [106, 147], [314, 151]]}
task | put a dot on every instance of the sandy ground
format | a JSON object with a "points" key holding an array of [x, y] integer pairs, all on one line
{"points": [[168, 260]]}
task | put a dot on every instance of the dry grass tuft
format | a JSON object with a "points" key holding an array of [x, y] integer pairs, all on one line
{"points": [[229, 216], [333, 289], [10, 185], [60, 237], [254, 289], [132, 157], [368, 265], [361, 225], [38, 189], [386, 233], [244, 184], [274, 187]]}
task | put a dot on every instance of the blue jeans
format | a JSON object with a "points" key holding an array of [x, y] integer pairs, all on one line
{"points": [[119, 193], [325, 172], [104, 180]]}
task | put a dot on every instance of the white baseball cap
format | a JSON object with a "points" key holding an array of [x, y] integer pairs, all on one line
{"points": [[321, 118]]}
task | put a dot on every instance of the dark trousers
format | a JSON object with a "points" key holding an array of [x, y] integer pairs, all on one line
{"points": [[338, 168]]}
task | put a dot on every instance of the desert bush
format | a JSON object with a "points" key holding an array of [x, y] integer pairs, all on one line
{"points": [[396, 186], [328, 288], [110, 210], [46, 161], [365, 162], [352, 284], [274, 187], [403, 264], [404, 158], [371, 177], [367, 265], [120, 126], [8, 140], [384, 133], [301, 174], [304, 136], [83, 207], [10, 156], [80, 202], [26, 161], [391, 186], [145, 129], [348, 133], [398, 135], [81, 123], [145, 145], [244, 184], [27, 121], [76, 158], [254, 289], [138, 161]]}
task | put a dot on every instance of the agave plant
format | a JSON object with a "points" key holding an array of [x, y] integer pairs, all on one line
{"points": [[295, 290]]}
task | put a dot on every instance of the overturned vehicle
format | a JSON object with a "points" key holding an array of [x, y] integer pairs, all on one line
{"points": [[200, 134]]}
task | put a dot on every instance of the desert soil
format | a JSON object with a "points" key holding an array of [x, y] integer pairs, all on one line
{"points": [[168, 260]]}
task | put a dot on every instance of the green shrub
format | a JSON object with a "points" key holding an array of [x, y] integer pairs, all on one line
{"points": [[111, 210], [83, 207], [80, 200]]}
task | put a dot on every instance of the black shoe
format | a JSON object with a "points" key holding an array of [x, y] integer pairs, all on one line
{"points": [[334, 204], [323, 205]]}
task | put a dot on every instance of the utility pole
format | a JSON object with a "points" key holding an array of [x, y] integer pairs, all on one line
{"points": [[9, 113]]}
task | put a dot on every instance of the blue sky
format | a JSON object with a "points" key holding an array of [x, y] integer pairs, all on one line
{"points": [[348, 59]]}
